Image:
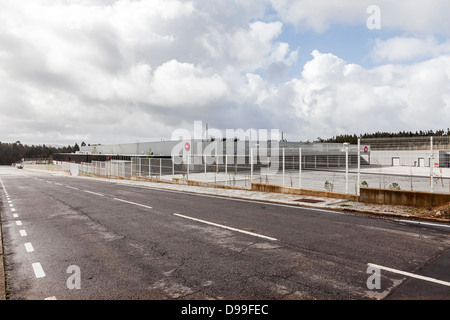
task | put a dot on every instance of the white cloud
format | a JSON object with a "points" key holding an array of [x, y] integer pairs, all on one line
{"points": [[410, 16], [182, 84], [333, 97], [109, 70], [407, 48]]}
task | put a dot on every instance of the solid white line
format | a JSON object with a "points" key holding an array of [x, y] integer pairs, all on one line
{"points": [[412, 275], [98, 194], [23, 233], [226, 227], [38, 271], [29, 247], [136, 204], [426, 223], [19, 223]]}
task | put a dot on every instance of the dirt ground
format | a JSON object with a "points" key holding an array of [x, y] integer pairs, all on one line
{"points": [[441, 212]]}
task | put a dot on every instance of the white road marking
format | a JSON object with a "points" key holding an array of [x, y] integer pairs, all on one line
{"points": [[9, 201], [51, 298], [72, 188], [18, 222], [426, 223], [15, 215], [12, 209], [11, 205], [29, 247], [136, 204], [23, 233], [98, 194], [58, 184], [38, 271], [412, 275], [226, 227]]}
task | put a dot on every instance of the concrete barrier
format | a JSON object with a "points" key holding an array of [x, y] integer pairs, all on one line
{"points": [[406, 198], [305, 192]]}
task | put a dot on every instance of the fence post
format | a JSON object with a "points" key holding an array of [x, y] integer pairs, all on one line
{"points": [[431, 165], [226, 169], [283, 166], [300, 168], [346, 166], [359, 167], [251, 166], [140, 166]]}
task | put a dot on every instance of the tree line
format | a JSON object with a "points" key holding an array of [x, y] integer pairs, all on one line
{"points": [[353, 138], [14, 152]]}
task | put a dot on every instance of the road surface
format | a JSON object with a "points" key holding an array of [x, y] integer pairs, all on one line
{"points": [[75, 238]]}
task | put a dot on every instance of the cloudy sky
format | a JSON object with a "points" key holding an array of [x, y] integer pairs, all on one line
{"points": [[105, 71]]}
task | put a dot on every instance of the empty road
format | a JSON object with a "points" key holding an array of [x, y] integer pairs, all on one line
{"points": [[76, 238]]}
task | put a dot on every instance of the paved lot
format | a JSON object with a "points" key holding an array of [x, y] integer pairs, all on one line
{"points": [[130, 240]]}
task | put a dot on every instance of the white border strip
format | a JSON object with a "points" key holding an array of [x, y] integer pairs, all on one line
{"points": [[226, 227], [412, 275], [426, 223]]}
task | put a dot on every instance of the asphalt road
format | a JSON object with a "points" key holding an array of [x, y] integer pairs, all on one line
{"points": [[74, 238]]}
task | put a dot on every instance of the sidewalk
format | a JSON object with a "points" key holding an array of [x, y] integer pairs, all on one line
{"points": [[380, 210]]}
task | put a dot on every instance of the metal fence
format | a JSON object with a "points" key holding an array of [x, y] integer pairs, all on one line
{"points": [[400, 164]]}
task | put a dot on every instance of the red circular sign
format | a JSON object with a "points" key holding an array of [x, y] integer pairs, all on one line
{"points": [[366, 149], [187, 146]]}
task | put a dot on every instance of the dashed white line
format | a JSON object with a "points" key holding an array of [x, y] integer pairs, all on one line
{"points": [[72, 188], [38, 271], [23, 233], [412, 275], [98, 194], [136, 204], [51, 298], [15, 215], [29, 247], [12, 209], [58, 184], [226, 227], [18, 222]]}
